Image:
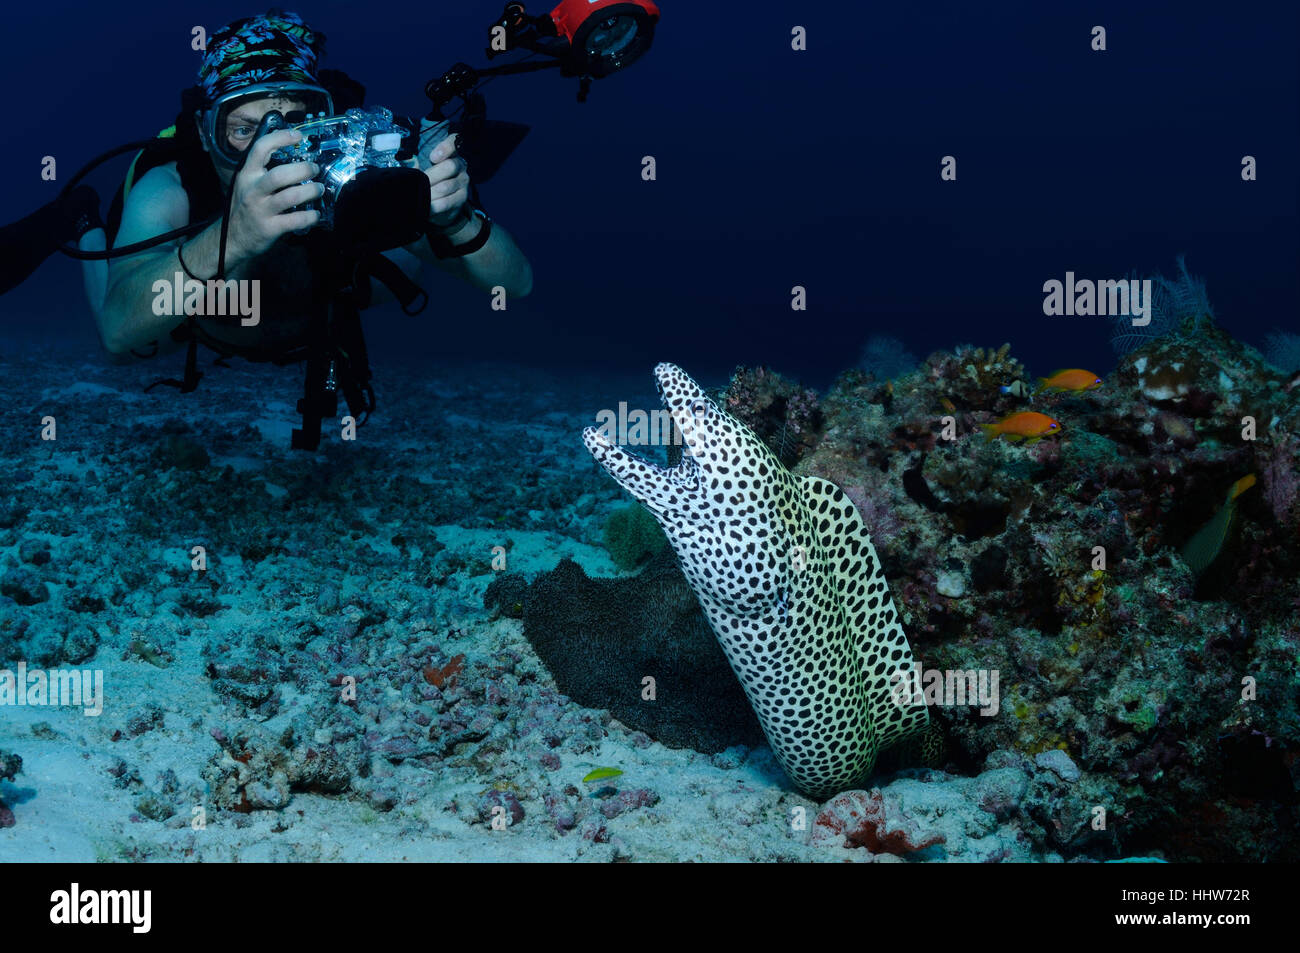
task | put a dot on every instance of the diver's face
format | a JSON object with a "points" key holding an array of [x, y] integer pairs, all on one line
{"points": [[242, 122], [241, 125]]}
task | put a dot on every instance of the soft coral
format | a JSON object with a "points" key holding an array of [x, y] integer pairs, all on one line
{"points": [[445, 676]]}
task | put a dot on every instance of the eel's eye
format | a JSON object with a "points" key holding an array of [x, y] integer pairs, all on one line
{"points": [[698, 407]]}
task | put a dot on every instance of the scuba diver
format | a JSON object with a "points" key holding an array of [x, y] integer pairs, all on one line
{"points": [[250, 67], [218, 165], [278, 192]]}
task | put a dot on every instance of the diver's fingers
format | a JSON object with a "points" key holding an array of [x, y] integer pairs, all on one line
{"points": [[449, 186], [294, 195], [296, 221], [447, 170], [447, 203], [260, 151], [285, 175], [444, 150]]}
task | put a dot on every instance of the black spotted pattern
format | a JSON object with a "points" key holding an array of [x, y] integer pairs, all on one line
{"points": [[790, 582]]}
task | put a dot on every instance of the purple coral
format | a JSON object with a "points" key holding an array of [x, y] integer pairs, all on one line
{"points": [[786, 416], [881, 520], [1281, 486]]}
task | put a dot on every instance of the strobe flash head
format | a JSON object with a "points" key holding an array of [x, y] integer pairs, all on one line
{"points": [[604, 36], [589, 39]]}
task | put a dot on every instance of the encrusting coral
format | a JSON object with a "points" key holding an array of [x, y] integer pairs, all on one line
{"points": [[10, 765], [1060, 565]]}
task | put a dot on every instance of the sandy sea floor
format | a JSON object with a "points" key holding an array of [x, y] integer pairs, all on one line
{"points": [[226, 734]]}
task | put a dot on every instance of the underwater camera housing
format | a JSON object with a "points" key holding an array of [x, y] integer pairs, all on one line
{"points": [[371, 198]]}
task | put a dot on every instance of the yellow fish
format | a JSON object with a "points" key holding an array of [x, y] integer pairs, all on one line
{"points": [[601, 774], [1074, 379], [1241, 486], [1203, 549]]}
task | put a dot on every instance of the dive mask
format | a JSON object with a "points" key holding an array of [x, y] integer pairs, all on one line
{"points": [[228, 129]]}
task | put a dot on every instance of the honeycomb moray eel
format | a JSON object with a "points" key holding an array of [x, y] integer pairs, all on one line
{"points": [[790, 583]]}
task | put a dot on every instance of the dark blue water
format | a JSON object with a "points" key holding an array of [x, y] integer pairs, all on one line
{"points": [[775, 168]]}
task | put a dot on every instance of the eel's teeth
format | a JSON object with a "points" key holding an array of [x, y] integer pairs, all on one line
{"points": [[644, 461], [619, 461]]}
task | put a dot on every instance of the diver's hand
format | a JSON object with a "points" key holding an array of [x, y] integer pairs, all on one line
{"points": [[262, 197], [448, 182]]}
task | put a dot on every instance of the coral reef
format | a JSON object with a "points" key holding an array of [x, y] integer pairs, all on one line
{"points": [[632, 536], [1281, 474], [10, 765], [1178, 304], [255, 772], [885, 357], [1282, 350], [786, 416], [1058, 566], [859, 819]]}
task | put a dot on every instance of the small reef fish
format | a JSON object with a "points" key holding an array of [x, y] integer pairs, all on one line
{"points": [[1023, 425], [1241, 486], [1204, 548], [1016, 389], [1073, 380], [601, 774]]}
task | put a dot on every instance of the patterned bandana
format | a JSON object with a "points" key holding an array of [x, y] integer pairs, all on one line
{"points": [[274, 47]]}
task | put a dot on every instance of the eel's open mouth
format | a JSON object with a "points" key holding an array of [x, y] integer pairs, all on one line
{"points": [[680, 466]]}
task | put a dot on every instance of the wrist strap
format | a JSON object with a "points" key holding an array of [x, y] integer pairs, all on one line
{"points": [[465, 216], [443, 248]]}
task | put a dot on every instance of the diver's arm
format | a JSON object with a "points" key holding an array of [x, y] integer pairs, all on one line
{"points": [[156, 204], [260, 213], [499, 262]]}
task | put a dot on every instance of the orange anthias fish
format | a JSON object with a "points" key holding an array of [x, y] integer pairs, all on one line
{"points": [[1024, 425], [1073, 379]]}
